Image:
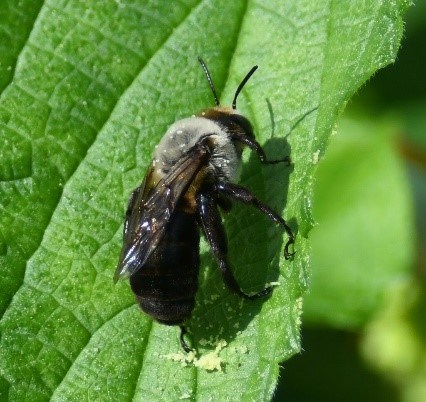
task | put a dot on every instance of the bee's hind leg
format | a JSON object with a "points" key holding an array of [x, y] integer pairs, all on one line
{"points": [[211, 223]]}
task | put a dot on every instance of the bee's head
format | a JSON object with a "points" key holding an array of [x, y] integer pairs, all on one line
{"points": [[227, 116], [232, 121]]}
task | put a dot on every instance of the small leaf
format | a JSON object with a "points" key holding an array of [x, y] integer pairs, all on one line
{"points": [[94, 89]]}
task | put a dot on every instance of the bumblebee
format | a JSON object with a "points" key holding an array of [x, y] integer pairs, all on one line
{"points": [[192, 176]]}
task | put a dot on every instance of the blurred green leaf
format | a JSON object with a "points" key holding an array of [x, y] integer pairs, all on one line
{"points": [[415, 127], [365, 240], [95, 87], [394, 343], [332, 370]]}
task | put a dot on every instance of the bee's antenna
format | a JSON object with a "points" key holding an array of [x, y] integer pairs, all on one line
{"points": [[209, 79], [240, 87]]}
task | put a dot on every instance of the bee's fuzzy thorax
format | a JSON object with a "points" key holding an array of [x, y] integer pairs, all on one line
{"points": [[184, 134]]}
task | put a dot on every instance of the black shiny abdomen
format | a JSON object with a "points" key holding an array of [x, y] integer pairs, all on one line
{"points": [[165, 286]]}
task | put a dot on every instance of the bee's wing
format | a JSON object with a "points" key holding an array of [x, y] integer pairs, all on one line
{"points": [[151, 208]]}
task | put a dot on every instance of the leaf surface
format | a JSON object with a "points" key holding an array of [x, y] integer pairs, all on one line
{"points": [[94, 89]]}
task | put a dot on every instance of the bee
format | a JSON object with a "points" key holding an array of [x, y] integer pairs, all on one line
{"points": [[192, 176]]}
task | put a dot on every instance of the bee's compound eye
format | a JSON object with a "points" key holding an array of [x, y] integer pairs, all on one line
{"points": [[244, 123]]}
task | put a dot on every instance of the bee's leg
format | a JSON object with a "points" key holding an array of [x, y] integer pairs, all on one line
{"points": [[255, 146], [183, 343], [214, 232], [241, 194]]}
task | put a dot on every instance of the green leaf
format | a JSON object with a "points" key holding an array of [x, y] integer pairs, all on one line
{"points": [[364, 242], [95, 87], [16, 22], [394, 342]]}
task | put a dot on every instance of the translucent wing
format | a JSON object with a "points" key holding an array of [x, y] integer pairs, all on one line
{"points": [[151, 207]]}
